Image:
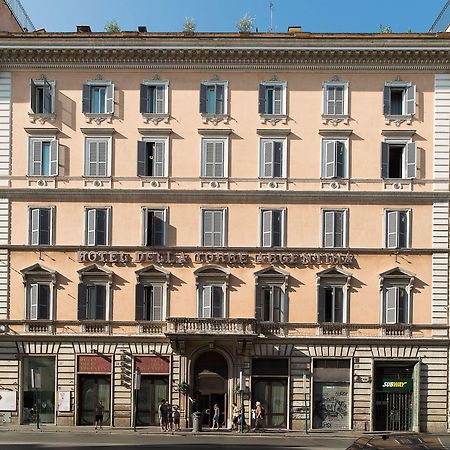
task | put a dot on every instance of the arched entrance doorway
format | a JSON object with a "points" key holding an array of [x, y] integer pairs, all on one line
{"points": [[211, 385]]}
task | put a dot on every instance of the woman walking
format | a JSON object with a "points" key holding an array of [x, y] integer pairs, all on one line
{"points": [[216, 418]]}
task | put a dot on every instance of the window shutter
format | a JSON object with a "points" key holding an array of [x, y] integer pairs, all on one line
{"points": [[411, 160], [277, 224], [283, 305], [259, 311], [203, 98], [33, 96], [142, 159], [90, 228], [321, 305], [44, 226], [338, 229], [387, 100], [86, 105], [411, 100], [338, 100], [391, 304], [276, 304], [160, 94], [47, 97], [217, 228], [329, 159], [340, 170], [110, 98], [157, 303], [208, 217], [402, 305], [267, 159], [143, 108], [262, 109], [392, 231], [82, 299], [34, 294], [338, 293], [206, 302], [158, 159], [139, 302], [44, 302], [34, 226], [384, 160], [402, 229], [54, 157], [101, 226], [267, 228], [208, 160], [328, 228], [102, 159], [100, 304], [217, 302], [277, 159], [158, 223], [146, 226], [219, 99], [92, 158], [36, 158], [277, 100], [218, 159]]}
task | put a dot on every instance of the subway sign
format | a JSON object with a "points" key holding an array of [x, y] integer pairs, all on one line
{"points": [[396, 385]]}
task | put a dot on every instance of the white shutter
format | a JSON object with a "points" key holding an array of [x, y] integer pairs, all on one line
{"points": [[277, 159], [102, 159], [267, 228], [157, 313], [208, 159], [158, 159], [411, 100], [328, 228], [391, 304], [339, 100], [36, 158], [219, 159], [277, 100], [329, 159], [54, 157], [158, 224], [338, 229], [160, 97], [267, 159], [34, 301], [276, 304], [410, 160], [392, 229], [110, 98], [34, 226], [90, 226], [217, 228], [92, 158], [205, 311]]}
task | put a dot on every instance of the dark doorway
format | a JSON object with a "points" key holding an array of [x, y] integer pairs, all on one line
{"points": [[91, 389], [211, 385], [153, 390]]}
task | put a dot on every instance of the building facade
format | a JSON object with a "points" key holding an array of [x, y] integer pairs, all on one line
{"points": [[194, 206]]}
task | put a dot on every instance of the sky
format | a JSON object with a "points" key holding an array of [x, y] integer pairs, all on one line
{"points": [[317, 16]]}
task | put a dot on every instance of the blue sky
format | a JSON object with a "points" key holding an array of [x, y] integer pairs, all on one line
{"points": [[327, 16]]}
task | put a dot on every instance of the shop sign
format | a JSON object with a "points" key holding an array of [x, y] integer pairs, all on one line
{"points": [[94, 364], [396, 385], [230, 258]]}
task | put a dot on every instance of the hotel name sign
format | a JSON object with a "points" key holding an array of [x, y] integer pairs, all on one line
{"points": [[231, 258]]}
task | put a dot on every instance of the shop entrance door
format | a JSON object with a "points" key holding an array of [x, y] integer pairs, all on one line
{"points": [[272, 393], [91, 389], [207, 402], [153, 390]]}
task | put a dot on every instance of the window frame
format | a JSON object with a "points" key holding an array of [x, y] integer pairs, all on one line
{"points": [[326, 87], [145, 85], [345, 226], [224, 220], [45, 85], [345, 163], [32, 229], [212, 276], [145, 238], [407, 232], [283, 226], [99, 139], [262, 157], [203, 149], [141, 164], [107, 231], [409, 98], [87, 100], [263, 100], [53, 157], [204, 100], [409, 158], [29, 300]]}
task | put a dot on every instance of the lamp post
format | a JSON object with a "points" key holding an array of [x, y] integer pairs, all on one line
{"points": [[36, 386], [241, 395], [136, 386]]}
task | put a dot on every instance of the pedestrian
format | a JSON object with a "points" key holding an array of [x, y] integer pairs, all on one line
{"points": [[99, 409], [176, 417], [216, 417], [235, 417], [169, 417], [162, 413], [259, 416]]}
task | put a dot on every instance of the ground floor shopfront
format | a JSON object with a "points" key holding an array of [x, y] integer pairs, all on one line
{"points": [[319, 385]]}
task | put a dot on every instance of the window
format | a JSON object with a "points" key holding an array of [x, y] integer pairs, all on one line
{"points": [[97, 157], [272, 158], [154, 97], [213, 227], [212, 286], [334, 229], [213, 97], [334, 289], [335, 99], [397, 229], [272, 98], [154, 227], [41, 226], [398, 160], [42, 96], [334, 158], [97, 226], [98, 97], [214, 160], [399, 99], [151, 293], [272, 227], [94, 293], [152, 158], [43, 157]]}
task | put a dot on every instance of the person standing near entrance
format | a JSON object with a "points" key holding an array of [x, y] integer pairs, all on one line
{"points": [[162, 414], [235, 417], [99, 409], [259, 417], [216, 417]]}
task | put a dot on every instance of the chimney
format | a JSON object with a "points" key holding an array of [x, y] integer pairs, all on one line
{"points": [[293, 30], [142, 29], [83, 29]]}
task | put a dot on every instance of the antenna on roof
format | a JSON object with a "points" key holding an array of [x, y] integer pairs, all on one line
{"points": [[271, 17]]}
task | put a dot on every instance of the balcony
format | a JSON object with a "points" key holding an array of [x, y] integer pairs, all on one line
{"points": [[188, 326]]}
